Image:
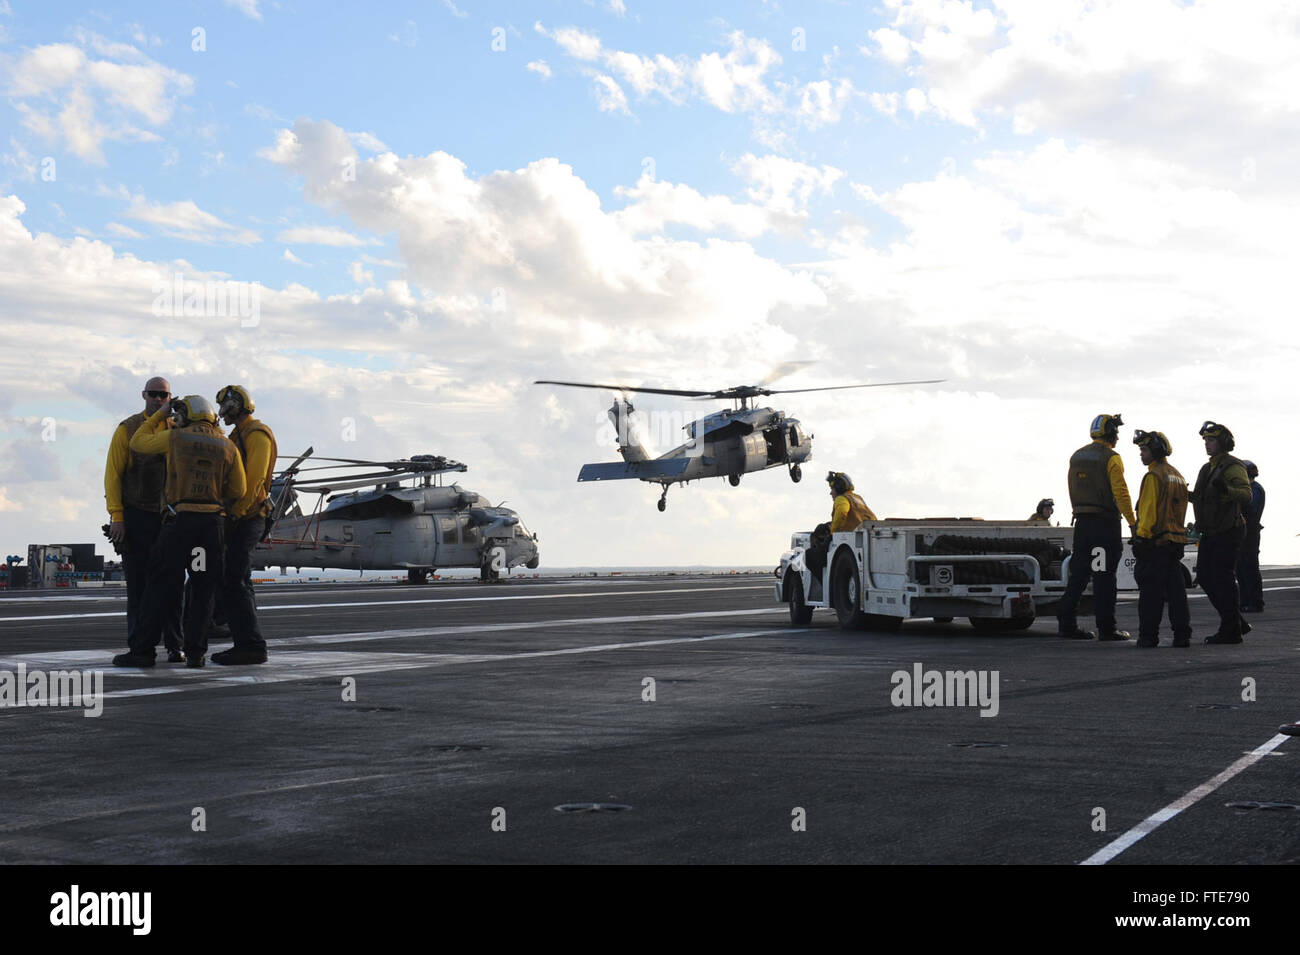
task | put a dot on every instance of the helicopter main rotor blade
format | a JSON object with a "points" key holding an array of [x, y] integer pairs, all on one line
{"points": [[647, 391], [880, 384], [783, 369], [431, 465]]}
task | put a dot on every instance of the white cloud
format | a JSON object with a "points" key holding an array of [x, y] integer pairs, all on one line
{"points": [[539, 67], [916, 101], [65, 96], [185, 220], [735, 81], [610, 95], [886, 103], [454, 10], [323, 235], [618, 7], [821, 102], [657, 204], [540, 233], [1146, 73], [369, 142], [290, 257], [122, 231], [894, 47], [579, 45], [247, 7], [361, 275], [784, 186], [740, 80]]}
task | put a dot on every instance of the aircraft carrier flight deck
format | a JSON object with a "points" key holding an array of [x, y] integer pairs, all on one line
{"points": [[650, 719]]}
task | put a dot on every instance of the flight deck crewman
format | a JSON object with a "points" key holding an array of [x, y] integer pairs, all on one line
{"points": [[204, 476], [1222, 490], [1099, 498], [246, 525], [1158, 543], [848, 510], [1043, 512], [133, 489]]}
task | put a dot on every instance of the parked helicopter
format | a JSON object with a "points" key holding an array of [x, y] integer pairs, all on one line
{"points": [[727, 443], [389, 526]]}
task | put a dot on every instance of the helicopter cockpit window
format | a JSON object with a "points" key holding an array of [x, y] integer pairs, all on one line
{"points": [[520, 530], [448, 530], [468, 532], [794, 436]]}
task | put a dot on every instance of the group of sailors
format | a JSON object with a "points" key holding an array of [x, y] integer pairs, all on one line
{"points": [[185, 500], [1228, 504]]}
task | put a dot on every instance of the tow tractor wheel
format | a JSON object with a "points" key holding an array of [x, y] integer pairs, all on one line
{"points": [[734, 479], [800, 613], [844, 594], [416, 575]]}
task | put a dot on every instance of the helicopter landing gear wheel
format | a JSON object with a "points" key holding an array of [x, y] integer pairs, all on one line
{"points": [[796, 473], [663, 500], [734, 479]]}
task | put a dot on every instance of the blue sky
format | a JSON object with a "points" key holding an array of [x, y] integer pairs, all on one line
{"points": [[1058, 209]]}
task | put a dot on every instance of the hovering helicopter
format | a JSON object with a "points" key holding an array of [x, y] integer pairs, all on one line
{"points": [[389, 526], [727, 443]]}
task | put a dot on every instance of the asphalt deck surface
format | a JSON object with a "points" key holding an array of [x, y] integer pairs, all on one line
{"points": [[482, 703]]}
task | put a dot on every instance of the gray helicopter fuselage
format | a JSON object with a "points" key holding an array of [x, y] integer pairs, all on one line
{"points": [[401, 528], [739, 441]]}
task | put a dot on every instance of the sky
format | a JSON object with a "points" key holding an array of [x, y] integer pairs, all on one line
{"points": [[400, 215]]}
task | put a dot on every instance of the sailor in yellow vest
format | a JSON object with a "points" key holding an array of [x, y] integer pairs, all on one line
{"points": [[1099, 498], [133, 488], [246, 525], [847, 512], [204, 477], [1158, 543], [1043, 512]]}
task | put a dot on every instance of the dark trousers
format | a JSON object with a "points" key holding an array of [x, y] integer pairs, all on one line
{"points": [[1092, 531], [237, 586], [1159, 575], [142, 529], [1249, 578], [173, 554], [1216, 570]]}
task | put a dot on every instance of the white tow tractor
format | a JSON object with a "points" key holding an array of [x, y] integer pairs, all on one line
{"points": [[1002, 575]]}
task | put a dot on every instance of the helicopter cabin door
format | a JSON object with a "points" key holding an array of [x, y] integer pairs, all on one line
{"points": [[418, 543], [458, 542]]}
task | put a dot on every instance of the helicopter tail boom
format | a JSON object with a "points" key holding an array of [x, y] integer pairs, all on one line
{"points": [[635, 470], [629, 445]]}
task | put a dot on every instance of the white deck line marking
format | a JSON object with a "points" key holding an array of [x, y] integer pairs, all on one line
{"points": [[1157, 819], [98, 659], [320, 665], [429, 600], [117, 591]]}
